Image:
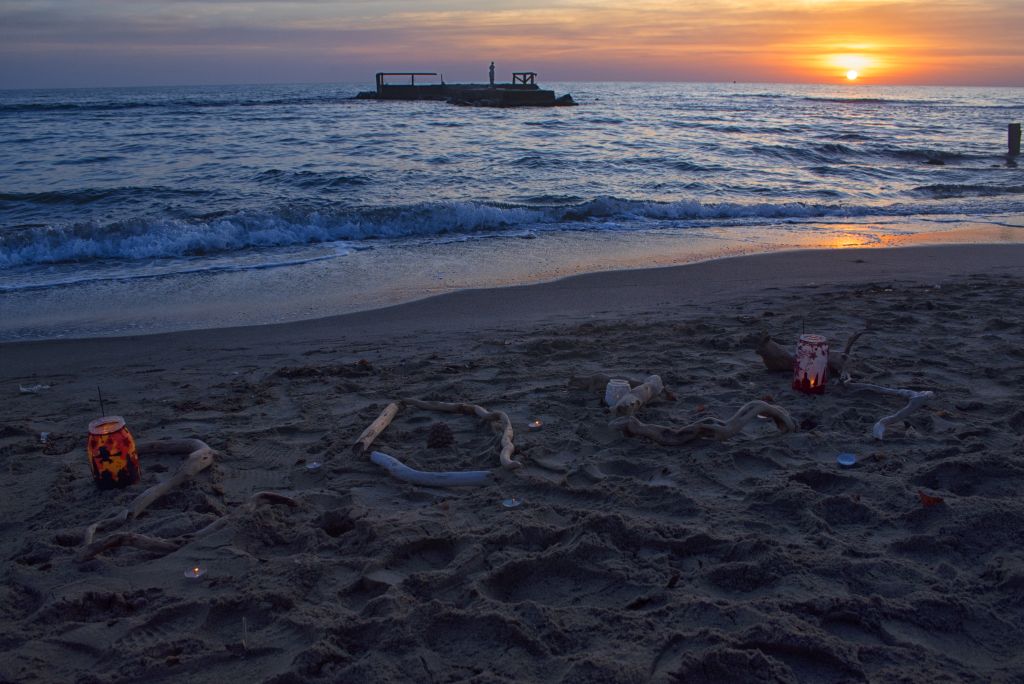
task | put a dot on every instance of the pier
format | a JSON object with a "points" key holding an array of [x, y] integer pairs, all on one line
{"points": [[523, 91]]}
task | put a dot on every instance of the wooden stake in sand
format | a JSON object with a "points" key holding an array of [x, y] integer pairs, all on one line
{"points": [[708, 428], [363, 442]]}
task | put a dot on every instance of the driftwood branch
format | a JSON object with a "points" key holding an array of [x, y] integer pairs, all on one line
{"points": [[139, 541], [165, 546], [638, 396], [499, 421], [363, 442], [708, 428], [400, 471], [778, 358], [915, 400], [200, 456]]}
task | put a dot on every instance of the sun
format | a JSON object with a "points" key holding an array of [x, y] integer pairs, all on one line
{"points": [[851, 75]]}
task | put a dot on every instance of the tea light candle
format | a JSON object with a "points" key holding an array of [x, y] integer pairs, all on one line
{"points": [[535, 425], [195, 572], [314, 466], [512, 502]]}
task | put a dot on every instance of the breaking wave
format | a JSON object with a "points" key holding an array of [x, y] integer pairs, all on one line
{"points": [[168, 238]]}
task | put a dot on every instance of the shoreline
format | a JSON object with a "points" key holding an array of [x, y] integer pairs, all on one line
{"points": [[366, 281], [636, 292]]}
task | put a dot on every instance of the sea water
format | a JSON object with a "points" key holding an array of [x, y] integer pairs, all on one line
{"points": [[189, 207]]}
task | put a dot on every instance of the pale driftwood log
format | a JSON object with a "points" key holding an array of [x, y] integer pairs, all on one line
{"points": [[915, 400], [400, 471], [363, 442], [499, 421], [200, 456], [708, 428], [638, 396]]}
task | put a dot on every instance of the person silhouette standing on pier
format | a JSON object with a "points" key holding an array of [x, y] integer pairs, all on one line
{"points": [[491, 70]]}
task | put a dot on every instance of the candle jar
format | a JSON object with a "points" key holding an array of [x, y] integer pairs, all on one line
{"points": [[810, 366], [112, 456], [615, 390]]}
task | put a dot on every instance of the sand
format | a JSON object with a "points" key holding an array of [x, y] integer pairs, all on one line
{"points": [[758, 559]]}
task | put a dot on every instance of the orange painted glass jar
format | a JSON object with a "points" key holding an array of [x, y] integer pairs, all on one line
{"points": [[112, 455]]}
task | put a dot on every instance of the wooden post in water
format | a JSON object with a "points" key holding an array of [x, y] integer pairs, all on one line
{"points": [[1013, 139]]}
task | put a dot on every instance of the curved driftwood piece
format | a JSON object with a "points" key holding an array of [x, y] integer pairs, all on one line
{"points": [[708, 428], [638, 396], [915, 400], [363, 442], [200, 456], [400, 471], [499, 421]]}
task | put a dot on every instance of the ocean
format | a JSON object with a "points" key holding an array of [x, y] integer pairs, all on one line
{"points": [[136, 210]]}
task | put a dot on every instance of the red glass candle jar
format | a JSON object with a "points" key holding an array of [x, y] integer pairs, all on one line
{"points": [[112, 455], [810, 366]]}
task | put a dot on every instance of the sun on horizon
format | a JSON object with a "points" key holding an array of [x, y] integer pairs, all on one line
{"points": [[852, 75]]}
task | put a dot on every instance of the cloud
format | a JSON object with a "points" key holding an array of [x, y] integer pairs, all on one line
{"points": [[915, 41]]}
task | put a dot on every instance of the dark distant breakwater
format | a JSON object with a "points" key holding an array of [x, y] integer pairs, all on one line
{"points": [[524, 93]]}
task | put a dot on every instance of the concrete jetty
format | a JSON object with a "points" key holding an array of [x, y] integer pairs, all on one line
{"points": [[523, 91]]}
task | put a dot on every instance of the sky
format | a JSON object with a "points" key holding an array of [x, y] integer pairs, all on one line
{"points": [[88, 43]]}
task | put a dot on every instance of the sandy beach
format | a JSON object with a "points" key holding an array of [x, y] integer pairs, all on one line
{"points": [[757, 559]]}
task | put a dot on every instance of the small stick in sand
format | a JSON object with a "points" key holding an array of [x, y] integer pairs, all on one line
{"points": [[363, 442], [708, 428]]}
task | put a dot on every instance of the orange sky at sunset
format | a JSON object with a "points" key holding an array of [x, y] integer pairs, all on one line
{"points": [[116, 42]]}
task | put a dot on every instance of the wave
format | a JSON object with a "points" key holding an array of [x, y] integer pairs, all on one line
{"points": [[870, 100], [184, 103], [952, 190], [142, 239], [91, 195]]}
